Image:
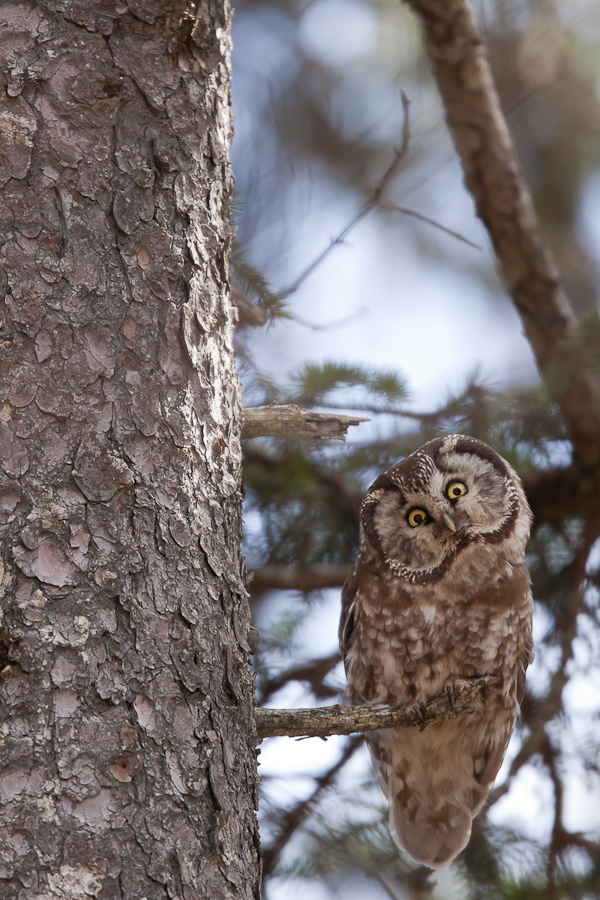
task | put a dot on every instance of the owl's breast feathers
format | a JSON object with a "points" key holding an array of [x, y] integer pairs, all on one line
{"points": [[400, 643]]}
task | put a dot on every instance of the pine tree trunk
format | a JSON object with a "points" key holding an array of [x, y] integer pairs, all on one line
{"points": [[127, 766]]}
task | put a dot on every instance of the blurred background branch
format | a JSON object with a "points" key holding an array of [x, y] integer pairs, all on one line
{"points": [[458, 58]]}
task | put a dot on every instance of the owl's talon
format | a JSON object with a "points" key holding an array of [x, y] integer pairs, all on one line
{"points": [[420, 709], [453, 691]]}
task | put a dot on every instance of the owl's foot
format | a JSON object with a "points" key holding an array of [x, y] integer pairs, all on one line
{"points": [[454, 688], [420, 709]]}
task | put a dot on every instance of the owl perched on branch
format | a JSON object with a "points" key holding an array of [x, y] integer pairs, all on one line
{"points": [[440, 593]]}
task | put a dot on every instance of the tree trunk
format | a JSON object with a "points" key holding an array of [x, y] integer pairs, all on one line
{"points": [[127, 738]]}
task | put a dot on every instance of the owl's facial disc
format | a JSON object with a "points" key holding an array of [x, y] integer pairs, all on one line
{"points": [[453, 493]]}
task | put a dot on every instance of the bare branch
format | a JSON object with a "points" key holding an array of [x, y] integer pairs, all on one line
{"points": [[383, 410], [288, 578], [292, 421], [492, 174], [371, 203], [329, 720]]}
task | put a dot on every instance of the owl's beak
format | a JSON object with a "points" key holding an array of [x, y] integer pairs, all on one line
{"points": [[448, 521]]}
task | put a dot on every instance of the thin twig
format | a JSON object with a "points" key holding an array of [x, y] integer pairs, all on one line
{"points": [[371, 203], [566, 625], [417, 215], [558, 833], [372, 873], [330, 720], [332, 326]]}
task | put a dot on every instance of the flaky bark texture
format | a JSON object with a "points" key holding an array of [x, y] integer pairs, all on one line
{"points": [[127, 737]]}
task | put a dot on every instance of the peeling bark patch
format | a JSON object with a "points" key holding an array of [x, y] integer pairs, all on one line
{"points": [[14, 458], [146, 713], [17, 130], [22, 390], [98, 473], [20, 783], [98, 812], [46, 562], [72, 883], [131, 206], [9, 497], [65, 704]]}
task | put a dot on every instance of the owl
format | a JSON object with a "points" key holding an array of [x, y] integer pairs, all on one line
{"points": [[439, 593]]}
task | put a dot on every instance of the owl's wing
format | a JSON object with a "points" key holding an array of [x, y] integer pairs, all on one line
{"points": [[349, 611], [487, 763], [527, 658]]}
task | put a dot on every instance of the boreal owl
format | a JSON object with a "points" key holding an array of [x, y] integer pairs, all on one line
{"points": [[439, 593]]}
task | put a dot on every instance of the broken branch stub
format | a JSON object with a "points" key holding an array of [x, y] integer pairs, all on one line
{"points": [[292, 421]]}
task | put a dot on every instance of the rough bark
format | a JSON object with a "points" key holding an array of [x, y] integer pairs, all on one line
{"points": [[127, 765]]}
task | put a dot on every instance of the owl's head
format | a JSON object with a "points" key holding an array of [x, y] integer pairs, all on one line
{"points": [[452, 493]]}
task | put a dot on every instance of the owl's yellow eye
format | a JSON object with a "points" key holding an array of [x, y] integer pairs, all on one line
{"points": [[416, 516], [455, 490]]}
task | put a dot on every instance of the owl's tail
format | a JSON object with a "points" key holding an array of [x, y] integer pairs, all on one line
{"points": [[431, 835], [432, 788]]}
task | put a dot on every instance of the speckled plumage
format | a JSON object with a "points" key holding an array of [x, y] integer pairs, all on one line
{"points": [[426, 606]]}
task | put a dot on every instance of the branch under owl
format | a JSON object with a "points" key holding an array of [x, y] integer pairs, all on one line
{"points": [[329, 720], [290, 420]]}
